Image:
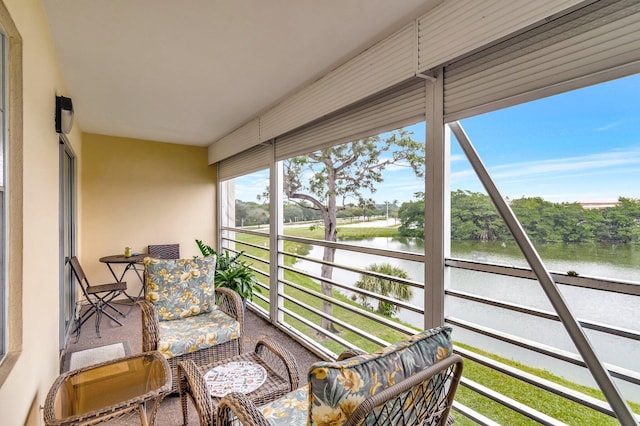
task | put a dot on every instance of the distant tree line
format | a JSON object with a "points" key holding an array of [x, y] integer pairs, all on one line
{"points": [[251, 213], [474, 217]]}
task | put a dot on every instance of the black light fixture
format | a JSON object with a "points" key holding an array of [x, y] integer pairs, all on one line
{"points": [[64, 114]]}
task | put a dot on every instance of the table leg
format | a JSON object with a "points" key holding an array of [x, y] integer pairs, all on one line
{"points": [[126, 268], [133, 266], [143, 414], [140, 277], [154, 409], [115, 277]]}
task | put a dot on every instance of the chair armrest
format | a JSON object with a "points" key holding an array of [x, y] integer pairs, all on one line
{"points": [[230, 303], [191, 382], [150, 327], [238, 405], [279, 359], [350, 353]]}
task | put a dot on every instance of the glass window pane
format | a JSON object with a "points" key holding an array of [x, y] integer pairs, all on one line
{"points": [[567, 166], [357, 188], [245, 202], [365, 194], [246, 224]]}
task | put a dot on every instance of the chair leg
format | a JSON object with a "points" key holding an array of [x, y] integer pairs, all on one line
{"points": [[98, 319], [102, 303], [109, 305], [110, 316], [82, 318], [183, 402], [107, 302], [99, 312], [77, 330], [182, 390]]}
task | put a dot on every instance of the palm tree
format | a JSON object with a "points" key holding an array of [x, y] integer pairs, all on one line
{"points": [[384, 287]]}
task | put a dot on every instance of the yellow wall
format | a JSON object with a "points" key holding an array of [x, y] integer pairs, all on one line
{"points": [[137, 193], [33, 364], [130, 192]]}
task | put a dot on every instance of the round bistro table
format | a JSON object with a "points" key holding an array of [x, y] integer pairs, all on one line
{"points": [[130, 262]]}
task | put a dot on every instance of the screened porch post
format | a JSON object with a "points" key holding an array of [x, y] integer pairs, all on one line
{"points": [[435, 220], [276, 274]]}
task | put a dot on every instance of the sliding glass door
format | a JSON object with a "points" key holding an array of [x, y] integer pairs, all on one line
{"points": [[67, 239]]}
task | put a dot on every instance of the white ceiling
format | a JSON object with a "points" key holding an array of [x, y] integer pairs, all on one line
{"points": [[191, 71]]}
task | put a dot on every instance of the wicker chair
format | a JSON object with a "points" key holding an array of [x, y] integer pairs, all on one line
{"points": [[410, 383], [200, 331]]}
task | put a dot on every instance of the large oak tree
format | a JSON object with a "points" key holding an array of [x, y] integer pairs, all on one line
{"points": [[329, 177]]}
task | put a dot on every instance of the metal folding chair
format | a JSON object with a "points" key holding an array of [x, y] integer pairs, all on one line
{"points": [[98, 297], [165, 251]]}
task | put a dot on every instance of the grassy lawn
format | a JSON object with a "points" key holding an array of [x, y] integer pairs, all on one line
{"points": [[543, 401], [345, 232], [342, 314]]}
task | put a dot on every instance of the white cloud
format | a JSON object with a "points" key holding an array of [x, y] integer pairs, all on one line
{"points": [[609, 126], [595, 177], [457, 158], [587, 163]]}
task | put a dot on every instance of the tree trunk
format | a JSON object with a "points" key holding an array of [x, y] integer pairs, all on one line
{"points": [[326, 288], [330, 234]]}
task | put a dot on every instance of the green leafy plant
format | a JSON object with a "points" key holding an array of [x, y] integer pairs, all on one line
{"points": [[385, 287], [205, 249], [231, 272]]}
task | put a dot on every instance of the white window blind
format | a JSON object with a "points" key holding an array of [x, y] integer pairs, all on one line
{"points": [[400, 106], [249, 161], [241, 139], [457, 27], [599, 36], [385, 64]]}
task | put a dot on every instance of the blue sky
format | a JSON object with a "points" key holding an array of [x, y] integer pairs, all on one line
{"points": [[582, 145]]}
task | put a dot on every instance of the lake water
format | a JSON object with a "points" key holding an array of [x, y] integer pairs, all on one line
{"points": [[592, 260]]}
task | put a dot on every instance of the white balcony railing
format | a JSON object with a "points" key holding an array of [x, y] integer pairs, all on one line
{"points": [[504, 380]]}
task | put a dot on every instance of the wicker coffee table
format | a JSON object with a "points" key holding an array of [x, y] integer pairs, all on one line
{"points": [[281, 370], [109, 390]]}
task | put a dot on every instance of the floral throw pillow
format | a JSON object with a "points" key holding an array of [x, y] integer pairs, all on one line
{"points": [[180, 288]]}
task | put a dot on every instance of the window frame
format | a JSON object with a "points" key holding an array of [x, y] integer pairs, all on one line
{"points": [[13, 133], [4, 205]]}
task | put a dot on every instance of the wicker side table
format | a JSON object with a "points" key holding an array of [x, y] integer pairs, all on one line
{"points": [[108, 390], [282, 377]]}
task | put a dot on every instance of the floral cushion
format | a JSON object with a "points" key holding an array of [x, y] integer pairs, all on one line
{"points": [[180, 288], [291, 409], [196, 332], [337, 388]]}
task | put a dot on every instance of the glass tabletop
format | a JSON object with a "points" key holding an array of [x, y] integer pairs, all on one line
{"points": [[109, 385]]}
